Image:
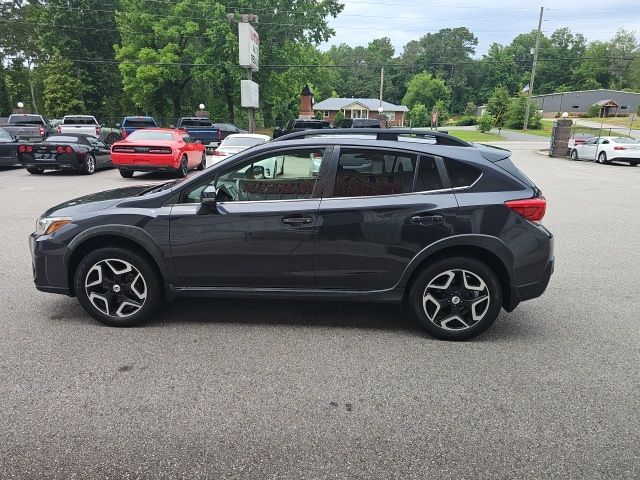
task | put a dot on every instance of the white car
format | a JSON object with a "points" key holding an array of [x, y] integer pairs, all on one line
{"points": [[237, 142], [606, 149]]}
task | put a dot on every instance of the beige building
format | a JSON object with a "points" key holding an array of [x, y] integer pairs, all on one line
{"points": [[362, 108]]}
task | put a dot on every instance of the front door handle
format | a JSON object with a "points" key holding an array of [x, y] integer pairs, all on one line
{"points": [[296, 220], [430, 218]]}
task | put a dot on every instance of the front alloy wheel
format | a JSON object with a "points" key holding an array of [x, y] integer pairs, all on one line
{"points": [[118, 287], [183, 169], [456, 298]]}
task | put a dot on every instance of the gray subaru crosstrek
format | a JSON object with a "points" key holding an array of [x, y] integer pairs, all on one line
{"points": [[450, 229]]}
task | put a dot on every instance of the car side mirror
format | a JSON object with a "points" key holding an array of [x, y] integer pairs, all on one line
{"points": [[208, 201], [257, 171]]}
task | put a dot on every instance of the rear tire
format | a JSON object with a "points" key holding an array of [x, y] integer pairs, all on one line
{"points": [[89, 165], [456, 298], [574, 155], [126, 173], [118, 287], [183, 170], [203, 163], [634, 164], [113, 138], [35, 170]]}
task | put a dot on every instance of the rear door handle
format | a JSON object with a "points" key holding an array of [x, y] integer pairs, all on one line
{"points": [[296, 220], [431, 218]]}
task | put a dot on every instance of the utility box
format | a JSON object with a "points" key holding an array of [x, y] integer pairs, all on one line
{"points": [[560, 135]]}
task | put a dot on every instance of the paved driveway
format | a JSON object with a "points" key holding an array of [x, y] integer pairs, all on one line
{"points": [[297, 390]]}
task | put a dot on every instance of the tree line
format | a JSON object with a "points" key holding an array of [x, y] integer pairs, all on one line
{"points": [[165, 57]]}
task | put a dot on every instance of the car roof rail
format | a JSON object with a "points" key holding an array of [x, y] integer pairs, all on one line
{"points": [[441, 138]]}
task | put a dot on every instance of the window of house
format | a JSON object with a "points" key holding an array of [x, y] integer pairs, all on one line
{"points": [[325, 113], [575, 107], [624, 107], [370, 172]]}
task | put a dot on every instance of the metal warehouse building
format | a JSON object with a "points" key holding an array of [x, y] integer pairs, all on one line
{"points": [[613, 101]]}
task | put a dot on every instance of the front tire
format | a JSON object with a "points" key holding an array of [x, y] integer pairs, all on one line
{"points": [[183, 169], [118, 287], [456, 298], [89, 166], [126, 173], [35, 170], [602, 158]]}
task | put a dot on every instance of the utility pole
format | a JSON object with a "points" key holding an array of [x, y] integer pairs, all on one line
{"points": [[249, 54], [533, 72], [381, 84], [251, 122]]}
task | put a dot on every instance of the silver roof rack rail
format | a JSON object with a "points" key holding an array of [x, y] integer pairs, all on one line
{"points": [[441, 138]]}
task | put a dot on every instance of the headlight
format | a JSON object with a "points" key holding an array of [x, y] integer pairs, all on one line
{"points": [[46, 226]]}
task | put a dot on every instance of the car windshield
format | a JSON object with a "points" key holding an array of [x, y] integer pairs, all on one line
{"points": [[139, 122], [62, 139], [241, 141], [79, 121], [5, 136], [27, 120], [150, 135], [195, 122], [625, 140]]}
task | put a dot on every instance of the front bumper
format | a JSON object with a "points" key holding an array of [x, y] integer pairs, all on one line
{"points": [[48, 265]]}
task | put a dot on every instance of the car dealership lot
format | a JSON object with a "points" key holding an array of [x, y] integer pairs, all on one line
{"points": [[257, 389]]}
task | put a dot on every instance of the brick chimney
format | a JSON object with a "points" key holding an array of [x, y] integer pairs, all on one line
{"points": [[306, 103]]}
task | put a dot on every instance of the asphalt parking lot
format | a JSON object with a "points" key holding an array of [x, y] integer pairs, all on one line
{"points": [[292, 390]]}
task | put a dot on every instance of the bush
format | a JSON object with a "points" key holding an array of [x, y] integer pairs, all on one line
{"points": [[594, 111], [486, 121], [470, 109], [515, 114], [419, 116], [443, 111], [466, 120], [337, 122]]}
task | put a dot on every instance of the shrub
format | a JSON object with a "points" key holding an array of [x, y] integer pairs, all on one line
{"points": [[470, 109], [486, 121], [337, 122], [443, 111], [467, 120], [419, 116], [594, 111], [515, 114]]}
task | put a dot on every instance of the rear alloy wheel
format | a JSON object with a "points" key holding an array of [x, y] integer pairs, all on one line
{"points": [[126, 173], [89, 164], [574, 154], [203, 163], [35, 170], [117, 287], [184, 167], [602, 158], [456, 298]]}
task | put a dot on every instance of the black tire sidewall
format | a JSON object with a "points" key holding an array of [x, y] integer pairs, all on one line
{"points": [[203, 162], [183, 170], [154, 286], [126, 173], [574, 152], [463, 263], [602, 158]]}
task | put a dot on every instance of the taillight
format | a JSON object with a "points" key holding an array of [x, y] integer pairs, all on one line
{"points": [[42, 132], [160, 150], [28, 149], [59, 129], [22, 148], [97, 132], [219, 154], [219, 134], [532, 209], [124, 134], [68, 150], [619, 148], [60, 149]]}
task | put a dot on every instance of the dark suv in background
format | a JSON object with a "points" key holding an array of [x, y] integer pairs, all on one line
{"points": [[449, 228]]}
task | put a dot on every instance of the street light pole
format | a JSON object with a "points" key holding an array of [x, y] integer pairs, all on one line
{"points": [[533, 72]]}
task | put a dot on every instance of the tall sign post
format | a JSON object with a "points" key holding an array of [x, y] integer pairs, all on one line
{"points": [[249, 58]]}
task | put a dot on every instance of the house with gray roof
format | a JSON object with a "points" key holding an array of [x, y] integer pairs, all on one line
{"points": [[362, 108]]}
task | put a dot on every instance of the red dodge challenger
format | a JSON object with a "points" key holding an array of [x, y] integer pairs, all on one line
{"points": [[158, 150]]}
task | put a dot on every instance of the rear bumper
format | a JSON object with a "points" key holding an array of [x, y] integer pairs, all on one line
{"points": [[147, 168], [634, 158], [145, 163], [534, 290], [59, 162]]}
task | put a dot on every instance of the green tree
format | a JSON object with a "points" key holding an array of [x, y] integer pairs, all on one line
{"points": [[498, 105], [63, 91], [516, 111], [419, 115], [443, 111], [337, 122], [5, 100], [486, 122], [426, 90], [470, 109]]}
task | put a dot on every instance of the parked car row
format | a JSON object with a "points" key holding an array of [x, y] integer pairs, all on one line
{"points": [[78, 148]]}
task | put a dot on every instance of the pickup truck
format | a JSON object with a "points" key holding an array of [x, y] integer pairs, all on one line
{"points": [[202, 129], [25, 126], [83, 124], [299, 126], [133, 123]]}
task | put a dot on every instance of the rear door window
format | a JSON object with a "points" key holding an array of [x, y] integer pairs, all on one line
{"points": [[373, 172]]}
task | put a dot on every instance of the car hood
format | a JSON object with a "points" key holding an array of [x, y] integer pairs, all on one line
{"points": [[95, 201]]}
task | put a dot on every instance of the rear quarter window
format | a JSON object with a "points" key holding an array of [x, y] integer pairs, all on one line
{"points": [[461, 174]]}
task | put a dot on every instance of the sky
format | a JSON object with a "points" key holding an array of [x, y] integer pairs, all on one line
{"points": [[495, 21]]}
